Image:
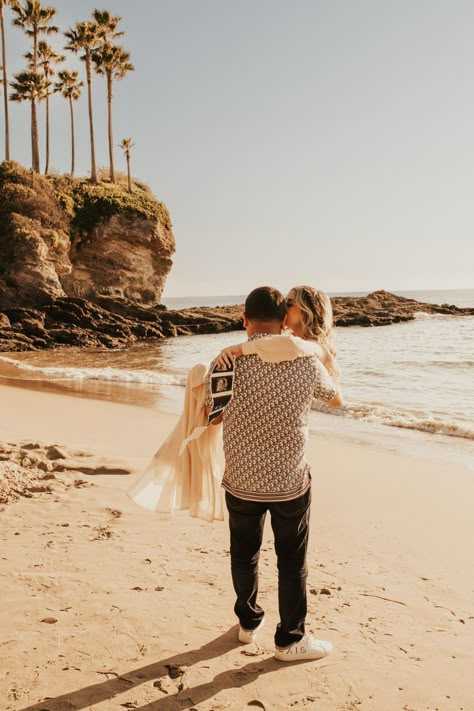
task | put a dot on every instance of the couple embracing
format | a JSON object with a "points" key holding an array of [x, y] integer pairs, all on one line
{"points": [[264, 414]]}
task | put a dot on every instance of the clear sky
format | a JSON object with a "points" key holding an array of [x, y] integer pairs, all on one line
{"points": [[328, 142]]}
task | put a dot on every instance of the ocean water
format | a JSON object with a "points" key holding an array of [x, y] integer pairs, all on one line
{"points": [[408, 387], [458, 297]]}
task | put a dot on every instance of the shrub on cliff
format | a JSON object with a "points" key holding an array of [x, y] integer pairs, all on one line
{"points": [[30, 195], [89, 204], [27, 206], [60, 201]]}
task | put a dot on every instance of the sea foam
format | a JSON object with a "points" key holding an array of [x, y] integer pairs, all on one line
{"points": [[423, 422], [117, 375]]}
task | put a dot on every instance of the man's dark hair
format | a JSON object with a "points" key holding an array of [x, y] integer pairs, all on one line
{"points": [[265, 304]]}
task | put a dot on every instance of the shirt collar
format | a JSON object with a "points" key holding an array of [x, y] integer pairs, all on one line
{"points": [[260, 335]]}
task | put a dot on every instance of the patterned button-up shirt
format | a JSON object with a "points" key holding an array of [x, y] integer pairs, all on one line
{"points": [[266, 426]]}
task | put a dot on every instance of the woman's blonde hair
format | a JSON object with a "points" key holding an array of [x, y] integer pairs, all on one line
{"points": [[316, 310]]}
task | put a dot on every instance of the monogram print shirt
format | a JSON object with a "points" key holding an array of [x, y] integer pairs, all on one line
{"points": [[265, 426]]}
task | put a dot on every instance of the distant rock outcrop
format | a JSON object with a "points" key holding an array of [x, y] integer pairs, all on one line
{"points": [[381, 308], [61, 237]]}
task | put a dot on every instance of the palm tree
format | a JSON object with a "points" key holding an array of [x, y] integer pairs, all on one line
{"points": [[126, 145], [106, 26], [70, 88], [84, 38], [5, 3], [113, 62], [28, 86], [46, 58], [34, 20]]}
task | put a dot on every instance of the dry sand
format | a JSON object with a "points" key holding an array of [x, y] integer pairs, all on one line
{"points": [[108, 607]]}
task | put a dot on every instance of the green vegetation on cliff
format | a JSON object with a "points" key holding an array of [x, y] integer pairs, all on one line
{"points": [[91, 203], [62, 202]]}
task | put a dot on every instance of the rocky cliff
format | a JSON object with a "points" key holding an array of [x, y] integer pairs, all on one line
{"points": [[65, 237]]}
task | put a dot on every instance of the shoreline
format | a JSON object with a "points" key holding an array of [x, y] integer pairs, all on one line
{"points": [[389, 542], [164, 399]]}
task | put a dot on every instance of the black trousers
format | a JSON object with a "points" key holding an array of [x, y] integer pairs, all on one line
{"points": [[290, 524]]}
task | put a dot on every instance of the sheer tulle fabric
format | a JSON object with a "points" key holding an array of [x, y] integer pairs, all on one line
{"points": [[187, 469]]}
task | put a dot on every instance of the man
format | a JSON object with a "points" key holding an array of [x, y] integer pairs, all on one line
{"points": [[265, 429]]}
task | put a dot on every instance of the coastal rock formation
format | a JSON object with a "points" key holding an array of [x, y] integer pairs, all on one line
{"points": [[125, 256], [63, 237], [107, 323], [34, 240], [112, 323], [381, 308]]}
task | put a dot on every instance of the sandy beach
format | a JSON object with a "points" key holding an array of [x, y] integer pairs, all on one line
{"points": [[107, 607]]}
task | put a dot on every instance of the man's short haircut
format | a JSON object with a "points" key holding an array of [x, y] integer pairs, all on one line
{"points": [[265, 304]]}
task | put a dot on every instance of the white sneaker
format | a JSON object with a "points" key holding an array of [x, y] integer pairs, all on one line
{"points": [[307, 648], [248, 636]]}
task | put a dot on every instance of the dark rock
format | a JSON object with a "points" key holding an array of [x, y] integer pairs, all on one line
{"points": [[53, 453], [125, 308], [174, 671], [4, 321], [381, 308], [34, 328], [40, 343], [11, 340], [29, 315]]}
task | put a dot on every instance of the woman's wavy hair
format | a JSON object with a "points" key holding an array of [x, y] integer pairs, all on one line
{"points": [[317, 315]]}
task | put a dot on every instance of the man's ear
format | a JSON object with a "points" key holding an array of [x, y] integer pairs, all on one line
{"points": [[246, 321], [283, 323]]}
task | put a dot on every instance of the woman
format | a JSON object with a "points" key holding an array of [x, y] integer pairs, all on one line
{"points": [[309, 317], [186, 471]]}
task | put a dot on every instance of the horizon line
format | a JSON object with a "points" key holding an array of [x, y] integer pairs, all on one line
{"points": [[331, 293]]}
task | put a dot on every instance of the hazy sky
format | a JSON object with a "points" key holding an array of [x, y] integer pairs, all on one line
{"points": [[328, 142]]}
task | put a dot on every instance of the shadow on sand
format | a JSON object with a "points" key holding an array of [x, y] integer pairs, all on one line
{"points": [[187, 698]]}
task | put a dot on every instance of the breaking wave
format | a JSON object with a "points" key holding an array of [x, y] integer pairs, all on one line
{"points": [[116, 375], [422, 422]]}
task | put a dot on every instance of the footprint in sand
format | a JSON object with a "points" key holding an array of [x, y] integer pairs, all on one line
{"points": [[115, 513], [102, 533]]}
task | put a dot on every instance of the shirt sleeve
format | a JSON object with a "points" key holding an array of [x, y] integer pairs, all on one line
{"points": [[274, 349], [325, 388]]}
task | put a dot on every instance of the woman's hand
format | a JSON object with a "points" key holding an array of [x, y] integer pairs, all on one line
{"points": [[226, 357]]}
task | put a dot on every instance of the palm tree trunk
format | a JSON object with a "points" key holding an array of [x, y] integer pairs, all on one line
{"points": [[111, 137], [91, 120], [5, 86], [128, 173], [72, 136], [47, 136], [34, 118], [35, 159]]}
